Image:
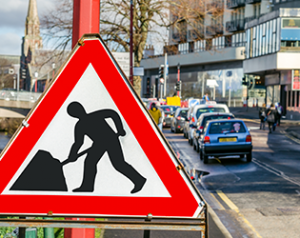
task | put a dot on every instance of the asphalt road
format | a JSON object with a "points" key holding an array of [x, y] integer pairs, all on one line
{"points": [[257, 199]]}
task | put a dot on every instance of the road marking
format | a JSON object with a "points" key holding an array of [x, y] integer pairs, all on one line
{"points": [[235, 208], [218, 160], [227, 201], [245, 119], [254, 128], [220, 205], [290, 137], [275, 171]]}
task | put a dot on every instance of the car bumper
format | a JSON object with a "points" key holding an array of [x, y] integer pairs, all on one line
{"points": [[218, 150]]}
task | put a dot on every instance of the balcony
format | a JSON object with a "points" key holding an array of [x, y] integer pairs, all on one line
{"points": [[231, 4], [214, 30], [233, 26], [252, 1], [179, 37], [210, 31], [195, 34], [215, 7]]}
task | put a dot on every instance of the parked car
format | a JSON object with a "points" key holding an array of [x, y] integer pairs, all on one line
{"points": [[225, 138], [187, 122], [169, 114], [179, 119], [197, 111], [202, 121]]}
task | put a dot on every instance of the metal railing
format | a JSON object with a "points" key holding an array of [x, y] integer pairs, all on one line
{"points": [[13, 95], [235, 3]]}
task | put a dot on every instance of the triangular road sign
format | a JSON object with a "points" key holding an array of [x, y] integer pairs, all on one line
{"points": [[90, 148]]}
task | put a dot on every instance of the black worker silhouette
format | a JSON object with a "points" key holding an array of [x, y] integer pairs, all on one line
{"points": [[104, 140]]}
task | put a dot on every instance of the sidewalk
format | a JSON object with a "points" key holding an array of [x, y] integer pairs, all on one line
{"points": [[291, 127]]}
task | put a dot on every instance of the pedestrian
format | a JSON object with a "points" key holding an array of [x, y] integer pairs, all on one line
{"points": [[262, 116], [105, 139], [206, 97], [279, 113], [156, 114], [271, 118]]}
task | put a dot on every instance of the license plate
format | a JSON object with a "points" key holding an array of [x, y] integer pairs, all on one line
{"points": [[227, 139], [170, 116]]}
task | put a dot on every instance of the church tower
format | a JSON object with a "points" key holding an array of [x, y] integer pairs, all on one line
{"points": [[32, 39]]}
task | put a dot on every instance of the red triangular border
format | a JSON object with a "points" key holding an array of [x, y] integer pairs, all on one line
{"points": [[95, 52]]}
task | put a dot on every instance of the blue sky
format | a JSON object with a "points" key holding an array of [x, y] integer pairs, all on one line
{"points": [[12, 23]]}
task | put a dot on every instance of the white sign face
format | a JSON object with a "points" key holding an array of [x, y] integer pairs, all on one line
{"points": [[59, 137], [123, 60], [138, 71], [211, 82]]}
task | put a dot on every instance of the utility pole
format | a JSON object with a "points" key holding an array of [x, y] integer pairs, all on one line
{"points": [[131, 43], [86, 19], [178, 79], [165, 74]]}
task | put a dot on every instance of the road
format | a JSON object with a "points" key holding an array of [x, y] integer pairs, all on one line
{"points": [[257, 199]]}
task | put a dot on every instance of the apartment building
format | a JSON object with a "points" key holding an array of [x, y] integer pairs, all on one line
{"points": [[213, 53]]}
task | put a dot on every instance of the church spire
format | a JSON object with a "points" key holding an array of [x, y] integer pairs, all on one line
{"points": [[32, 25], [32, 38]]}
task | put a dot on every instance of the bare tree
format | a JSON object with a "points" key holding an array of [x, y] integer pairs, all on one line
{"points": [[151, 17]]}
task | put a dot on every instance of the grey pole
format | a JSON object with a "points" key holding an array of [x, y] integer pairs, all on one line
{"points": [[165, 75]]}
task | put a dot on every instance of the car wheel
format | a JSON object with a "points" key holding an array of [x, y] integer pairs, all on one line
{"points": [[197, 147], [201, 155], [205, 159], [194, 146], [249, 157], [191, 141], [172, 129]]}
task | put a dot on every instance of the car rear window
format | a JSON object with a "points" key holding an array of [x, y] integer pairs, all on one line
{"points": [[183, 113], [209, 109], [216, 117], [226, 127], [169, 109]]}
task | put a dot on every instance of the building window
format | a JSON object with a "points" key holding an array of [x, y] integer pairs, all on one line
{"points": [[274, 36]]}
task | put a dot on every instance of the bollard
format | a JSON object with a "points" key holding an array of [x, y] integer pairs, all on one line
{"points": [[31, 233], [48, 232]]}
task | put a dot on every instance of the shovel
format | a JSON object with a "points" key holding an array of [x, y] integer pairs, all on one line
{"points": [[79, 155]]}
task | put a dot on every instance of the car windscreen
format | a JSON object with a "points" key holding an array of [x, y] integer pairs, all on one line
{"points": [[215, 117], [209, 109], [183, 113], [169, 109], [226, 127]]}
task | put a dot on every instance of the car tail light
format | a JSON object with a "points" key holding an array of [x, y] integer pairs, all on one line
{"points": [[248, 138], [178, 126], [206, 139], [229, 118], [193, 119], [178, 118], [200, 128], [189, 118]]}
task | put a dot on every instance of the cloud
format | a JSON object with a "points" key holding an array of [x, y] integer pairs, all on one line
{"points": [[12, 17], [10, 44], [13, 13]]}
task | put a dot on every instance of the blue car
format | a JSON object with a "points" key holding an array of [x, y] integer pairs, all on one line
{"points": [[225, 138]]}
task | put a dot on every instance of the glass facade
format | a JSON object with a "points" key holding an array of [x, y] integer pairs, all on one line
{"points": [[263, 39], [224, 86]]}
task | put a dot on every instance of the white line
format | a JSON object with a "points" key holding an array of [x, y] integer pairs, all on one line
{"points": [[275, 171]]}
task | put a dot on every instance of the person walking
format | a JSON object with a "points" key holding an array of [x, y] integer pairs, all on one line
{"points": [[279, 113], [262, 116], [105, 139], [271, 118], [156, 114]]}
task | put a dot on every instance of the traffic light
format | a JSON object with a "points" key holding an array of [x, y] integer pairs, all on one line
{"points": [[178, 86], [161, 72], [244, 81]]}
